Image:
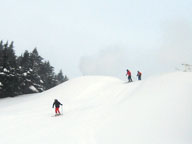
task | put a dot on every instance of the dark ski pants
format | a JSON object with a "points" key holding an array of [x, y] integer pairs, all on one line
{"points": [[130, 79]]}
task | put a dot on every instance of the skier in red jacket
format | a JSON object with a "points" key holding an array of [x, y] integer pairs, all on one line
{"points": [[129, 76], [139, 75]]}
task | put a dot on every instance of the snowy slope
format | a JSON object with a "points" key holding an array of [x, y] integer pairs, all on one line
{"points": [[103, 110]]}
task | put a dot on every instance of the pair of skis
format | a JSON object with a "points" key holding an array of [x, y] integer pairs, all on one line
{"points": [[56, 115], [60, 114]]}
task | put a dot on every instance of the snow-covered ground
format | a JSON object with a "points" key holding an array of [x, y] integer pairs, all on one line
{"points": [[103, 110]]}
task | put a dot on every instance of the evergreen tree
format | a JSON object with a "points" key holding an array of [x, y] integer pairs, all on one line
{"points": [[1, 56], [1, 70], [26, 73], [27, 76], [8, 77], [46, 72], [65, 78], [9, 57], [60, 78], [35, 61]]}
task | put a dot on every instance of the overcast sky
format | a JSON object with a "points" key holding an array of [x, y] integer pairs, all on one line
{"points": [[101, 37]]}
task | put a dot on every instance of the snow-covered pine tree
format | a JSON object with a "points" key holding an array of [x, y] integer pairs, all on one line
{"points": [[60, 78], [25, 74], [8, 76], [47, 75], [1, 69], [35, 61]]}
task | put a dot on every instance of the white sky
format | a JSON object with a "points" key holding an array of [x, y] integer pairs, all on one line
{"points": [[101, 37]]}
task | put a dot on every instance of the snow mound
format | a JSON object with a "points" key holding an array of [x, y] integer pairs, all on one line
{"points": [[101, 110]]}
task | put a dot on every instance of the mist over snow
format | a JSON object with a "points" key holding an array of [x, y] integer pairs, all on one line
{"points": [[103, 110], [174, 49], [110, 61], [114, 60]]}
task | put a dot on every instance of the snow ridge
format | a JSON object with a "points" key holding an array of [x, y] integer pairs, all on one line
{"points": [[100, 110]]}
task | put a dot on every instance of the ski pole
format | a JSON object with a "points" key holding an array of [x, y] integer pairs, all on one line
{"points": [[61, 109]]}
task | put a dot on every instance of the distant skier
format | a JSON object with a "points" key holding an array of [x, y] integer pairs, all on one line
{"points": [[57, 104], [129, 76], [139, 75]]}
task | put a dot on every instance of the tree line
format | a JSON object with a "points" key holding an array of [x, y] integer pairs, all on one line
{"points": [[25, 74]]}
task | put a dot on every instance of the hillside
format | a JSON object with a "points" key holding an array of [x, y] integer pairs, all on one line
{"points": [[103, 110]]}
